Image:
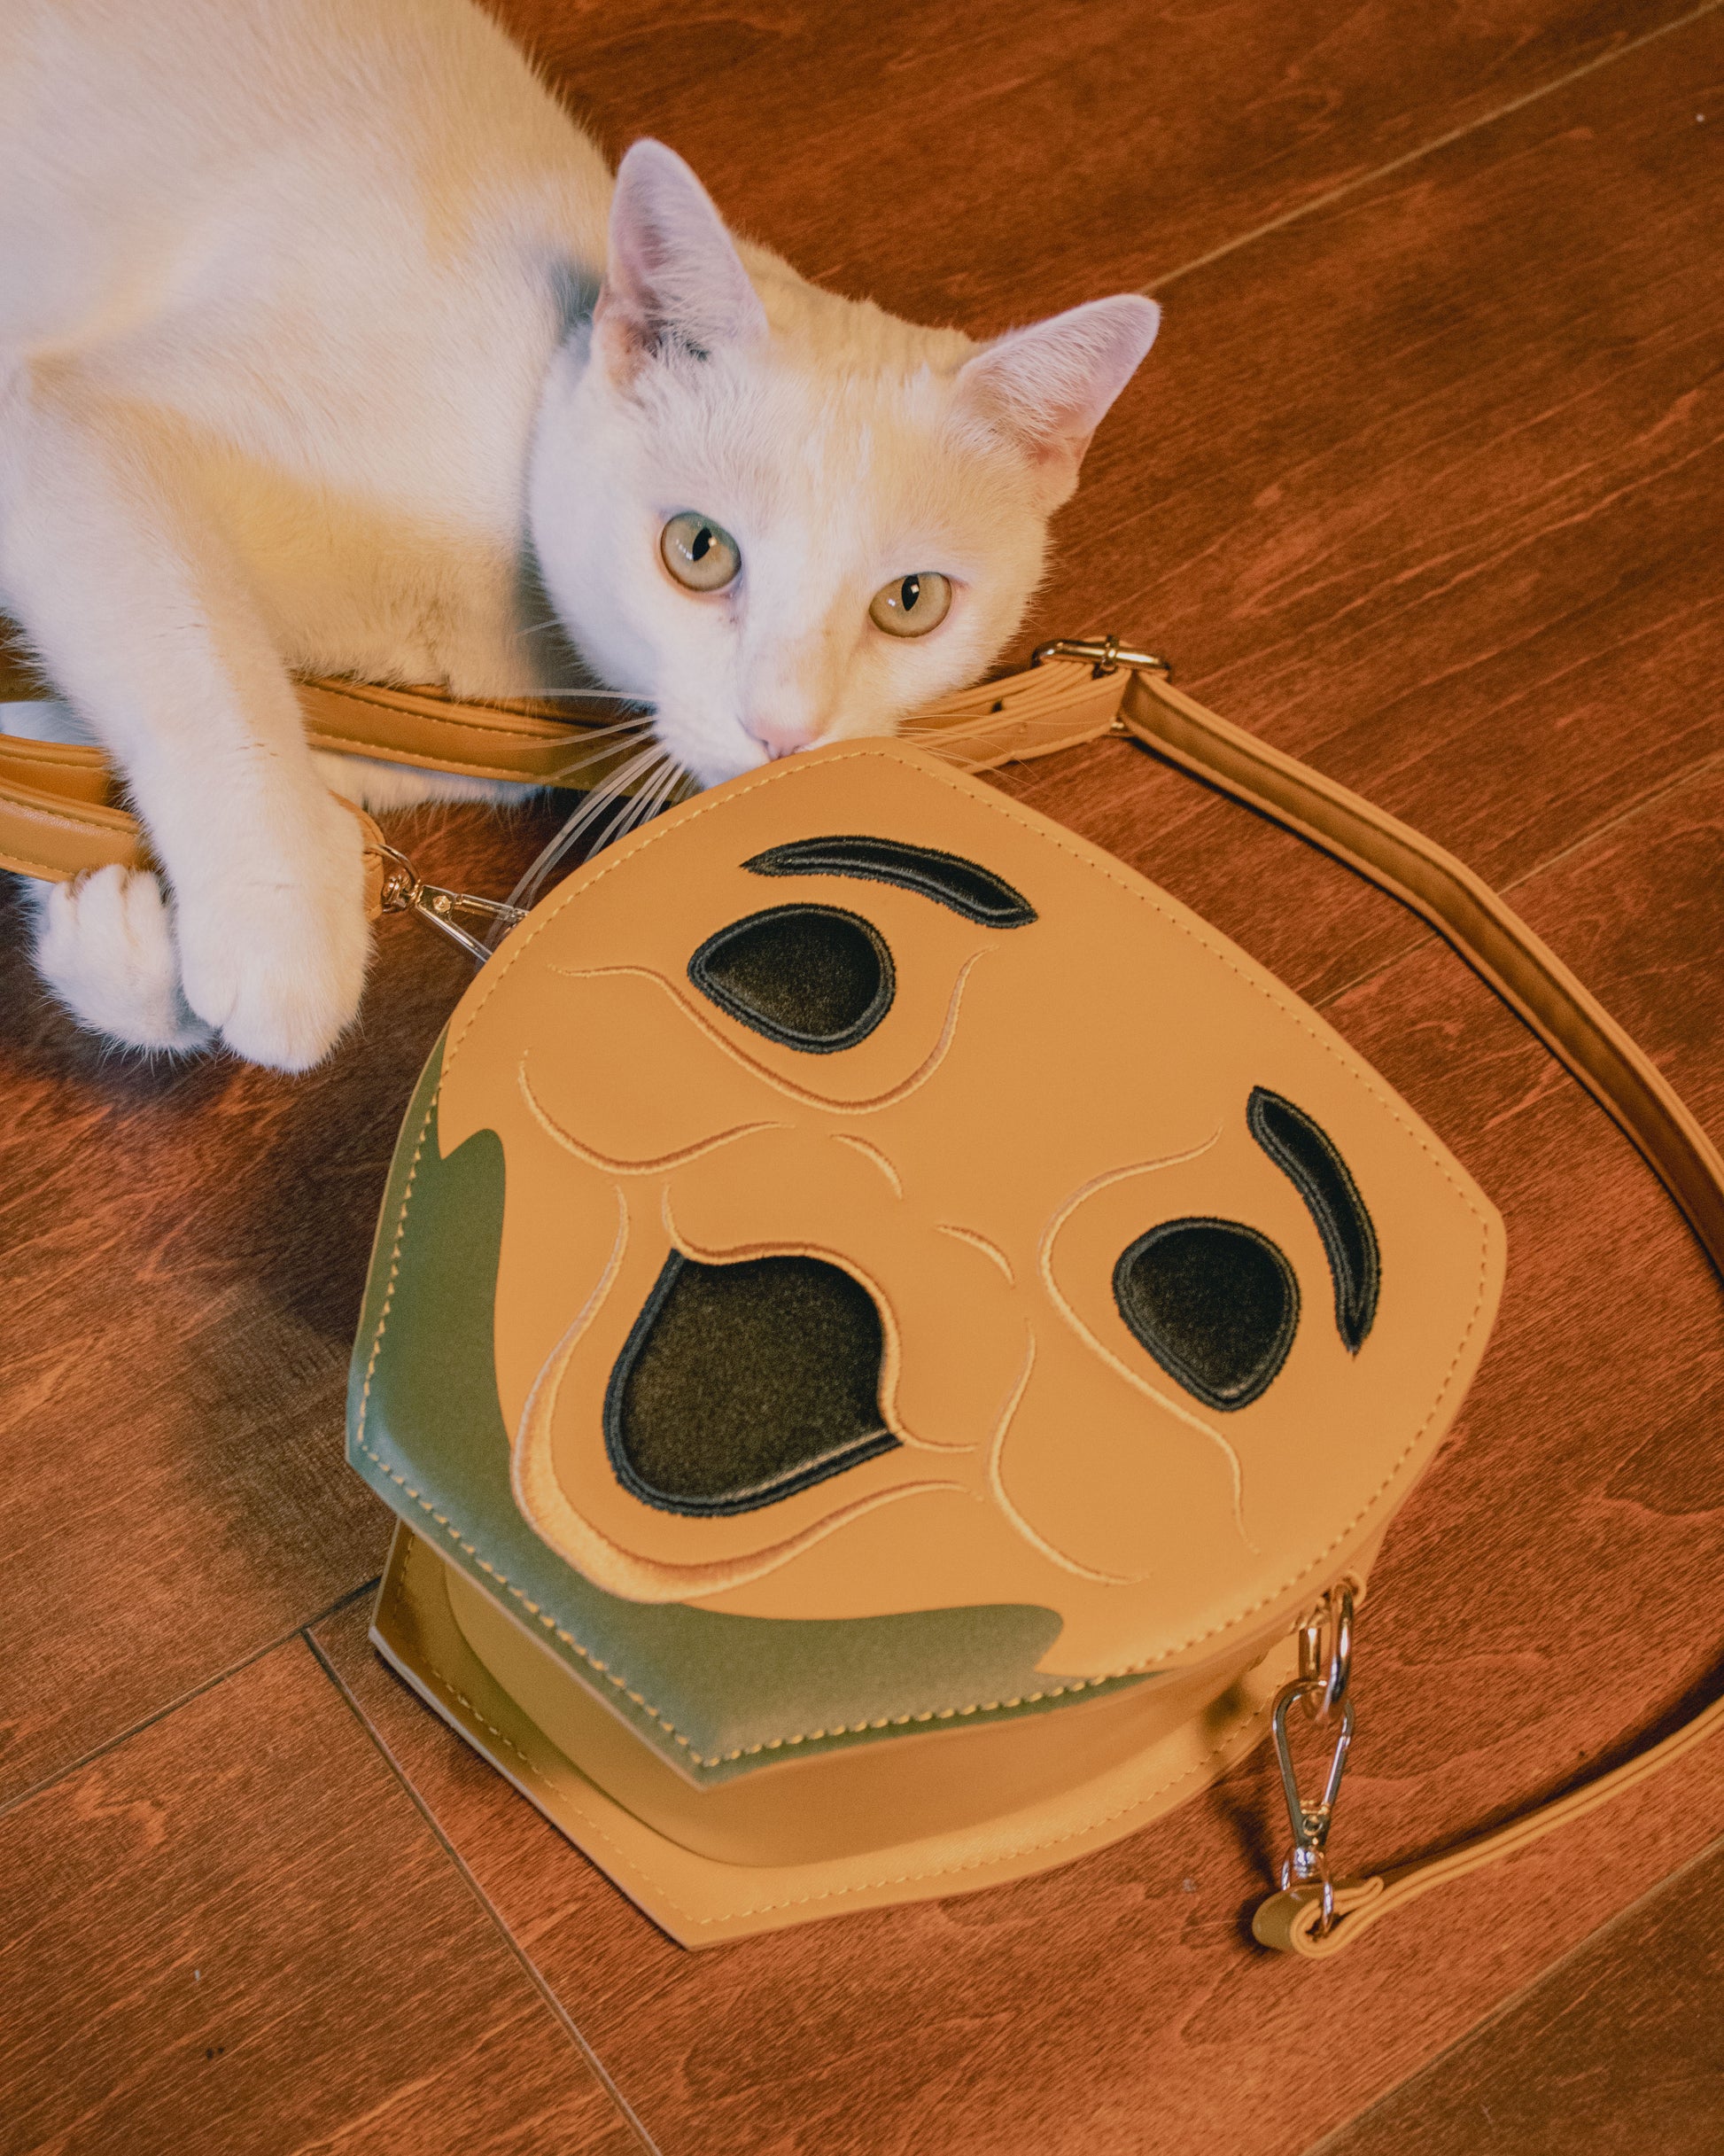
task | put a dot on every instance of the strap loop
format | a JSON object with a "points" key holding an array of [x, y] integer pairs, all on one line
{"points": [[1323, 1690]]}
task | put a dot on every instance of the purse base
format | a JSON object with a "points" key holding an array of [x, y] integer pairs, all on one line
{"points": [[701, 1902]]}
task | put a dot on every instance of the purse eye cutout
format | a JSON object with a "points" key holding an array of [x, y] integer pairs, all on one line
{"points": [[1216, 1302], [820, 978], [812, 977]]}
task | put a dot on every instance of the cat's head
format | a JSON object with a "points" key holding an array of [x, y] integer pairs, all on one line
{"points": [[780, 516]]}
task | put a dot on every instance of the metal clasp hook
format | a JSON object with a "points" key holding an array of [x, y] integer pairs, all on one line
{"points": [[406, 892], [1308, 1863], [1320, 1689]]}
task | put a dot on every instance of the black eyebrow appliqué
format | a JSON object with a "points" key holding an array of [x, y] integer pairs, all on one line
{"points": [[966, 886], [1309, 1158]]}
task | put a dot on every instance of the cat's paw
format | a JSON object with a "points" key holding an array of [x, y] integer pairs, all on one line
{"points": [[105, 946], [276, 962]]}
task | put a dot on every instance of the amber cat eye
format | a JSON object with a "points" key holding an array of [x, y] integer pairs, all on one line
{"points": [[912, 605]]}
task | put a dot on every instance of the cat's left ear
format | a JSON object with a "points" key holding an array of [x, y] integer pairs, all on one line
{"points": [[1048, 387], [673, 278]]}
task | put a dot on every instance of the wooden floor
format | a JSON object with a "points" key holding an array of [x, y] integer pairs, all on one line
{"points": [[1424, 481]]}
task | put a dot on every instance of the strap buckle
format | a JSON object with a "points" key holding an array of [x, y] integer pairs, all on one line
{"points": [[1103, 655], [406, 892]]}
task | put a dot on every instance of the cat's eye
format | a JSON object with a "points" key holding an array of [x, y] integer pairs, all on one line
{"points": [[699, 553], [912, 605]]}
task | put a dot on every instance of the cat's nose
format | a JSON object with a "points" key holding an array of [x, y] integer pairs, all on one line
{"points": [[780, 736]]}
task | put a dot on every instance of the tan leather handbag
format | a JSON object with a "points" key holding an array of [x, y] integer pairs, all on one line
{"points": [[893, 1344]]}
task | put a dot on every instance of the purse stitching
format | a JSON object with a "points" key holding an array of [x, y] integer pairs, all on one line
{"points": [[1269, 990], [452, 1692], [770, 1744]]}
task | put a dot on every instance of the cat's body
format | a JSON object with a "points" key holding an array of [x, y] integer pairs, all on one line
{"points": [[299, 368]]}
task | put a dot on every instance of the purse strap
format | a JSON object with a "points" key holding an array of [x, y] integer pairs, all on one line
{"points": [[1315, 1919], [58, 818]]}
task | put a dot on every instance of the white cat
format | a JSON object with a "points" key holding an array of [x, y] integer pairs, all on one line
{"points": [[326, 343]]}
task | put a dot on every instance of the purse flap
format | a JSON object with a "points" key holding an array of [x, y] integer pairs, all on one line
{"points": [[905, 1208]]}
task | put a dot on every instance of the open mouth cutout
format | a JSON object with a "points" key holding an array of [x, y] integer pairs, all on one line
{"points": [[741, 1384]]}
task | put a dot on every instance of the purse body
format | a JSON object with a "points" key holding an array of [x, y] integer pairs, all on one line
{"points": [[882, 1323]]}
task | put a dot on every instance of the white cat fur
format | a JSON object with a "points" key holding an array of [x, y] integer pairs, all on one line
{"points": [[299, 368]]}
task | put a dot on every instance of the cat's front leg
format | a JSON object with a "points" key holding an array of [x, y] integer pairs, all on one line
{"points": [[141, 616]]}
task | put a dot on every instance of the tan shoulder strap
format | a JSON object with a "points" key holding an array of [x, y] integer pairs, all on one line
{"points": [[60, 814], [58, 817], [1533, 982]]}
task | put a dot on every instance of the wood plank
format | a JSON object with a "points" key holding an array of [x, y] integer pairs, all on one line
{"points": [[235, 1932], [181, 1252], [1619, 2050], [184, 1248], [1426, 489], [983, 166], [1552, 1589]]}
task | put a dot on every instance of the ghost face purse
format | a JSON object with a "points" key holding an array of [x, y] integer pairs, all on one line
{"points": [[894, 1345]]}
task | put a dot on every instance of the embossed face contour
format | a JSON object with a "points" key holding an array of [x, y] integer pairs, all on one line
{"points": [[780, 516], [908, 1208]]}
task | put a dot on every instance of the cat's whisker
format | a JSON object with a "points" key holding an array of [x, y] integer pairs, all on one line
{"points": [[650, 800], [653, 797], [600, 742], [637, 811], [602, 798], [589, 776], [607, 696], [948, 744], [639, 722], [612, 787]]}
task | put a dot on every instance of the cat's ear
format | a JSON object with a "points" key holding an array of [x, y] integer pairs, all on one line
{"points": [[1047, 387], [674, 277]]}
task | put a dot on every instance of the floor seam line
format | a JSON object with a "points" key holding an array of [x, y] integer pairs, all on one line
{"points": [[571, 2028], [1440, 142], [1618, 818], [1506, 2006], [184, 1699], [1614, 821]]}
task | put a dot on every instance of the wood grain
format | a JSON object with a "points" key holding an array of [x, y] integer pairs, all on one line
{"points": [[235, 1932], [983, 165], [1619, 2050], [1427, 493], [181, 1252], [1551, 1591]]}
